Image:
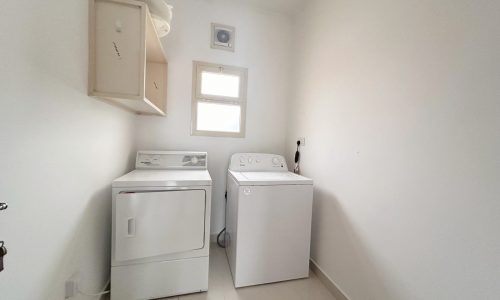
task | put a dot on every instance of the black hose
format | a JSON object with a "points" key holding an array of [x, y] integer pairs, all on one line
{"points": [[222, 231], [218, 238]]}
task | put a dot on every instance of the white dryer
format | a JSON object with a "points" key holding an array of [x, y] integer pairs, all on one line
{"points": [[161, 226], [268, 220]]}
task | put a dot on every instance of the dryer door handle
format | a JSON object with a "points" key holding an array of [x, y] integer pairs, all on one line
{"points": [[131, 227]]}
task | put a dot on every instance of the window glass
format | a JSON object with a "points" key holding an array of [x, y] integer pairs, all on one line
{"points": [[218, 117], [219, 84]]}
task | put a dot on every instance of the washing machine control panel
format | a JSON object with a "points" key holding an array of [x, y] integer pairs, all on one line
{"points": [[171, 160], [257, 162]]}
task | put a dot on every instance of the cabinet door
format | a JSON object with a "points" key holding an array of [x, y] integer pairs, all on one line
{"points": [[159, 223], [119, 49], [156, 84]]}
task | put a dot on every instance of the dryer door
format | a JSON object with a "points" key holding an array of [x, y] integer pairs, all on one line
{"points": [[159, 223]]}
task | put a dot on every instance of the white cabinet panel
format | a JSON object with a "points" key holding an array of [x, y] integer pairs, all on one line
{"points": [[157, 280], [270, 237], [158, 223]]}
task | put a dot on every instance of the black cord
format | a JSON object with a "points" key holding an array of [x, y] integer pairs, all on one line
{"points": [[297, 153], [297, 159], [222, 231]]}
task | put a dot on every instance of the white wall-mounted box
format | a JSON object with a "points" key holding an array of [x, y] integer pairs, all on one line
{"points": [[127, 63]]}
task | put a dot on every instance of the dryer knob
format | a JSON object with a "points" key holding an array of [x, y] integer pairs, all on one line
{"points": [[276, 161], [242, 159]]}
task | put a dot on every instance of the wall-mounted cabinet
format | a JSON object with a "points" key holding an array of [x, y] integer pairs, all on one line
{"points": [[127, 63]]}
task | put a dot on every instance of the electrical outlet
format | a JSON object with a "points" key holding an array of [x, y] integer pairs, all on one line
{"points": [[302, 141]]}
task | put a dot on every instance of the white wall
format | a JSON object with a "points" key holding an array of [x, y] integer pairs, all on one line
{"points": [[399, 104], [262, 45], [59, 152]]}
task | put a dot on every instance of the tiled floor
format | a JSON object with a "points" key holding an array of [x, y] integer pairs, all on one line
{"points": [[220, 286]]}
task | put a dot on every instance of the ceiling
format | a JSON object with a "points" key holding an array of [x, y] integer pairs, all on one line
{"points": [[284, 6]]}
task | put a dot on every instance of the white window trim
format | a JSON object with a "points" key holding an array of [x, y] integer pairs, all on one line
{"points": [[198, 67]]}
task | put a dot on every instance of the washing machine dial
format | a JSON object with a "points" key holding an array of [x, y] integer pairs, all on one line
{"points": [[276, 161], [242, 159]]}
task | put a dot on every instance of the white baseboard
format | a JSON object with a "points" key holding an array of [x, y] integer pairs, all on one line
{"points": [[327, 281]]}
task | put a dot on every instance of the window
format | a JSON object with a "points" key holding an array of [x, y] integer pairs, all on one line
{"points": [[219, 100]]}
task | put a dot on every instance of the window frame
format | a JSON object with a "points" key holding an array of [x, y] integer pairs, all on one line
{"points": [[197, 97]]}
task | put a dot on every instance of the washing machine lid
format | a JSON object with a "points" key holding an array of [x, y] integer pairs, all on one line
{"points": [[164, 178], [270, 178]]}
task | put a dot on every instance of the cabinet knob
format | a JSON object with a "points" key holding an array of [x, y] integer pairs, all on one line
{"points": [[3, 206], [118, 26]]}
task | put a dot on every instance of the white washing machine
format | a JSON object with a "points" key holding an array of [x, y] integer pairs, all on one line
{"points": [[268, 220], [161, 226]]}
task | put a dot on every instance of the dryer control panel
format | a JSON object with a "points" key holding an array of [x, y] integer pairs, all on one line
{"points": [[257, 162], [171, 160]]}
